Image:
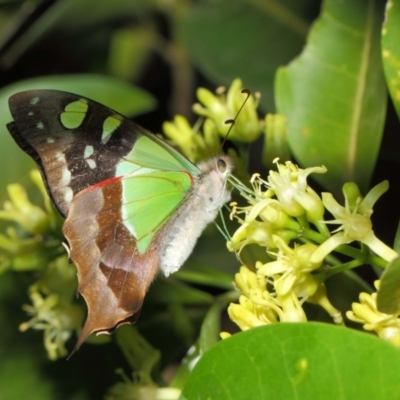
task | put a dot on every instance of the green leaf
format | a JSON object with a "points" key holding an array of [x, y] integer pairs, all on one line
{"points": [[334, 94], [211, 327], [209, 336], [138, 352], [388, 300], [236, 38], [16, 366], [297, 361], [129, 50], [391, 50], [114, 93], [396, 244], [169, 291], [198, 273]]}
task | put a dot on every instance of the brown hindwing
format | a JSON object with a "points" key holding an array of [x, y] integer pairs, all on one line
{"points": [[113, 276]]}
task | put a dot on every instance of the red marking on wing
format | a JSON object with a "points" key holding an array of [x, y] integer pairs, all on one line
{"points": [[103, 183], [190, 176]]}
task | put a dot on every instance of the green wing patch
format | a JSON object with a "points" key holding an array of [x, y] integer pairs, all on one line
{"points": [[148, 200], [74, 113], [151, 153]]}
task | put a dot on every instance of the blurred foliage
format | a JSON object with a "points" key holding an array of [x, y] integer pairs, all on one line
{"points": [[318, 66]]}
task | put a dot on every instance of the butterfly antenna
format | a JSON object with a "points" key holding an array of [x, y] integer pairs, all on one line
{"points": [[224, 230], [231, 122]]}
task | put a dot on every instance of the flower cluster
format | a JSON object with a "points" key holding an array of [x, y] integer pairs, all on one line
{"points": [[52, 310], [224, 106], [286, 216], [33, 243], [140, 387], [22, 247], [216, 109], [366, 312]]}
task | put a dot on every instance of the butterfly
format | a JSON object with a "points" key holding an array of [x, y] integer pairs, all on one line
{"points": [[133, 204]]}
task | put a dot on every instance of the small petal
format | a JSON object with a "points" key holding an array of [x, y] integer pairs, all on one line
{"points": [[328, 246], [291, 309], [225, 335], [379, 248]]}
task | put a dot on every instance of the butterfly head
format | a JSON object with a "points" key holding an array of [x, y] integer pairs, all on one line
{"points": [[213, 177]]}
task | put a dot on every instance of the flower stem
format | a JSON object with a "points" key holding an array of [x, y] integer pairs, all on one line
{"points": [[370, 259], [313, 235], [343, 267]]}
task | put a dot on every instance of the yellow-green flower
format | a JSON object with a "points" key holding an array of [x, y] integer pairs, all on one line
{"points": [[275, 140], [291, 267], [22, 247], [57, 321], [24, 254], [192, 143], [320, 298], [258, 306], [289, 184], [141, 387], [20, 210], [253, 232], [366, 312], [223, 107], [247, 315], [355, 222], [52, 309], [292, 311], [263, 219]]}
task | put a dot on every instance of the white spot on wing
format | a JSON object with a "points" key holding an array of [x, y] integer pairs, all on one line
{"points": [[40, 125], [66, 194], [34, 101], [91, 163], [30, 113], [50, 140], [65, 177], [60, 158]]}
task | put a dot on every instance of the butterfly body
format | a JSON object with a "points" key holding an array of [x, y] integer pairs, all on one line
{"points": [[133, 205]]}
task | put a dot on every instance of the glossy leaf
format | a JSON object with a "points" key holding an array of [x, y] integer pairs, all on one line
{"points": [[391, 50], [334, 94], [129, 50], [396, 244], [202, 275], [297, 361], [388, 300], [139, 353], [211, 327], [209, 336], [234, 38], [167, 291]]}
